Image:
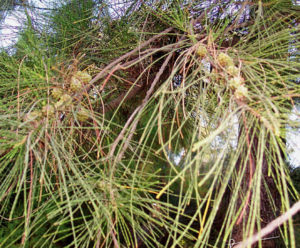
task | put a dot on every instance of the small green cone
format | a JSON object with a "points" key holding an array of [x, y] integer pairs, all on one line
{"points": [[224, 60], [201, 51], [75, 85], [56, 93], [84, 77], [241, 92], [83, 115], [66, 98], [233, 70], [235, 82], [65, 101], [48, 110]]}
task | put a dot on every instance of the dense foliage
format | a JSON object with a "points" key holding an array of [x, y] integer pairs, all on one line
{"points": [[147, 123]]}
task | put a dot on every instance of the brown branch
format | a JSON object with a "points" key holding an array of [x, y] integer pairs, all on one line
{"points": [[137, 87], [149, 92], [105, 71], [147, 97], [121, 98], [115, 65]]}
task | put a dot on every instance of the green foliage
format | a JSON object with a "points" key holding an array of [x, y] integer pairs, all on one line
{"points": [[114, 134], [67, 23]]}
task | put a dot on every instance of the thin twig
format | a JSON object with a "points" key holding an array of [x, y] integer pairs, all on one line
{"points": [[116, 244], [109, 75], [271, 226]]}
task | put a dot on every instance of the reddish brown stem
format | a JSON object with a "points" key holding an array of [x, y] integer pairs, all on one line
{"points": [[251, 169]]}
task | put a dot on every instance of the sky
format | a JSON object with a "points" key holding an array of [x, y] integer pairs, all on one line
{"points": [[293, 139], [13, 22], [9, 35]]}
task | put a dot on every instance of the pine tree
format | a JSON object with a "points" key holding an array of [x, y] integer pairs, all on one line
{"points": [[148, 124]]}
